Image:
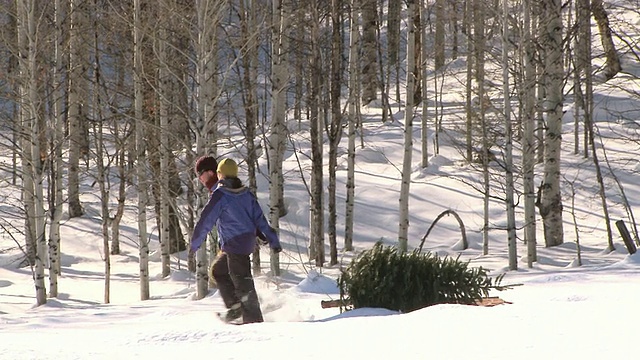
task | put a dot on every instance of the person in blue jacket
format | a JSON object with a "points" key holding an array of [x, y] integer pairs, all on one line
{"points": [[235, 211]]}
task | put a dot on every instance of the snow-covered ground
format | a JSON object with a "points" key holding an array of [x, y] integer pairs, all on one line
{"points": [[558, 310]]}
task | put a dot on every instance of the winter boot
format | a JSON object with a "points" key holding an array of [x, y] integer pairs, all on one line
{"points": [[234, 313]]}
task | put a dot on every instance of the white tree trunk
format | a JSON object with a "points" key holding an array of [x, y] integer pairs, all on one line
{"points": [[511, 217], [424, 134], [32, 164], [278, 129], [334, 130], [469, 4], [353, 118], [163, 92], [528, 146], [612, 65], [551, 199], [141, 163], [408, 130], [207, 135], [23, 134], [76, 73], [100, 154], [479, 53], [249, 51], [208, 19], [58, 139], [537, 22], [316, 250]]}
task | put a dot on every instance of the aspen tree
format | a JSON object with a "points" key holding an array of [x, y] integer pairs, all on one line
{"points": [[479, 62], [163, 89], [354, 31], [550, 203], [102, 176], [369, 51], [408, 130], [469, 6], [32, 163], [612, 64], [528, 146], [334, 130], [508, 137], [141, 160], [424, 143], [317, 192], [250, 42], [207, 127], [56, 161], [74, 113], [439, 36], [277, 140], [585, 33], [393, 45]]}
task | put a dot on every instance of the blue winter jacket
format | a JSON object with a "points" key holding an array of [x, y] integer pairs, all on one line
{"points": [[237, 215]]}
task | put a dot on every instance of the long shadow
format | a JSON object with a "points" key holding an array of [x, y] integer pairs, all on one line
{"points": [[13, 296], [360, 313], [67, 297], [95, 275]]}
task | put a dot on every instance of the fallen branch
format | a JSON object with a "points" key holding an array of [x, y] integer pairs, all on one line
{"points": [[463, 232]]}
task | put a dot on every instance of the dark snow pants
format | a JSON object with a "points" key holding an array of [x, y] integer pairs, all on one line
{"points": [[232, 273]]}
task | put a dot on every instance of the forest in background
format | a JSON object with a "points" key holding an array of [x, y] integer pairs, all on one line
{"points": [[129, 93]]}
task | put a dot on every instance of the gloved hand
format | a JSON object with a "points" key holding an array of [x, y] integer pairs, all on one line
{"points": [[261, 238], [276, 249]]}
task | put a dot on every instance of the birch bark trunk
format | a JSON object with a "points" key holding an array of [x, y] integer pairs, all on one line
{"points": [[249, 51], [550, 205], [424, 134], [316, 252], [469, 6], [277, 140], [508, 137], [479, 62], [612, 65], [32, 163], [335, 125], [56, 161], [207, 127], [353, 120], [408, 130], [164, 94], [141, 161], [528, 153], [76, 73]]}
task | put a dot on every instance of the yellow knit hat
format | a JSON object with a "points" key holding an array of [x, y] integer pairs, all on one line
{"points": [[228, 168]]}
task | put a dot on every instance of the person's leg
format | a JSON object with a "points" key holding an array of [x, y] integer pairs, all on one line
{"points": [[223, 280], [240, 271]]}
